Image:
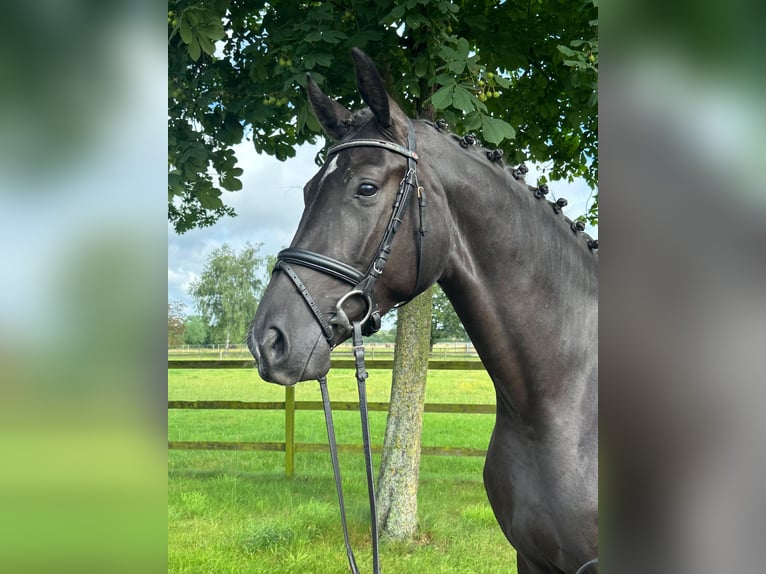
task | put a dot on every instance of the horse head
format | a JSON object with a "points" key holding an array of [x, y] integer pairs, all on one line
{"points": [[332, 273]]}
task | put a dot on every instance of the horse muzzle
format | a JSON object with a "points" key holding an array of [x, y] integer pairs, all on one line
{"points": [[283, 353]]}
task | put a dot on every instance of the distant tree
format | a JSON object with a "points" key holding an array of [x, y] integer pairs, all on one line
{"points": [[445, 324], [175, 323], [384, 336], [228, 290], [195, 331]]}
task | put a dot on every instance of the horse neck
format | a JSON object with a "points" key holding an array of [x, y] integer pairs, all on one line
{"points": [[521, 281]]}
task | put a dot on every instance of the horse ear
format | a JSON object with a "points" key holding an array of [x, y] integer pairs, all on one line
{"points": [[371, 87], [331, 115]]}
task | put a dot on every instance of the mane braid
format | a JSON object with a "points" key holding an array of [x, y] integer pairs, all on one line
{"points": [[469, 141]]}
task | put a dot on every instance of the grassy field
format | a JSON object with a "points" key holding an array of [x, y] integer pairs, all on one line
{"points": [[235, 512]]}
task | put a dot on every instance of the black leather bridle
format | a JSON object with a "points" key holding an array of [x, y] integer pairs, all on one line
{"points": [[362, 286], [362, 283]]}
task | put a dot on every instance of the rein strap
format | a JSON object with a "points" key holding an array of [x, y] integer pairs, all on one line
{"points": [[361, 377]]}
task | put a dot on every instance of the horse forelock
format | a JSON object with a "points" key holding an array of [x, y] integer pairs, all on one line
{"points": [[358, 120]]}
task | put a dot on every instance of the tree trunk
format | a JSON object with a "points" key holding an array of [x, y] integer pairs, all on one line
{"points": [[400, 465]]}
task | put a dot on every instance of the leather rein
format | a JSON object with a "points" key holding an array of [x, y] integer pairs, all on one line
{"points": [[362, 286]]}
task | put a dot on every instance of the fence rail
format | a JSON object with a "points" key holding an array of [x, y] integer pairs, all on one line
{"points": [[290, 406]]}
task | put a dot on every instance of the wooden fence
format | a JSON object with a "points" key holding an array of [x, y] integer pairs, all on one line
{"points": [[290, 405]]}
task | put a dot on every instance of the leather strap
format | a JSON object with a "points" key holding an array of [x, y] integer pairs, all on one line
{"points": [[303, 290], [361, 377], [336, 471], [322, 263], [390, 146]]}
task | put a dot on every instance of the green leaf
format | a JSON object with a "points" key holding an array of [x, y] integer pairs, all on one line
{"points": [[213, 29], [574, 64], [457, 66], [186, 32], [193, 16], [443, 97], [312, 123], [207, 46], [421, 67], [443, 80], [194, 49], [210, 201], [323, 59], [231, 184], [472, 121], [333, 36], [301, 119], [462, 99], [395, 14], [495, 131], [463, 48], [175, 183]]}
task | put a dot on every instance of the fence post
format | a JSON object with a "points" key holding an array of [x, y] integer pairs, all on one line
{"points": [[289, 431]]}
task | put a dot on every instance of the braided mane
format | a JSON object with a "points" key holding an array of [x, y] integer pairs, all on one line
{"points": [[469, 143]]}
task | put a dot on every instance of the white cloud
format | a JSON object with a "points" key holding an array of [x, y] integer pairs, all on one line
{"points": [[268, 210], [179, 281]]}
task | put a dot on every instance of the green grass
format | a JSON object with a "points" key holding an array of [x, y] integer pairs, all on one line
{"points": [[235, 512]]}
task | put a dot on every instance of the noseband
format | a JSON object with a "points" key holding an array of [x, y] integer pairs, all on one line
{"points": [[362, 283], [362, 286]]}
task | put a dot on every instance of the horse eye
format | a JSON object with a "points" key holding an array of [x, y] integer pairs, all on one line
{"points": [[367, 190]]}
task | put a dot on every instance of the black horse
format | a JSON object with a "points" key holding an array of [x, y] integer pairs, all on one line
{"points": [[521, 276]]}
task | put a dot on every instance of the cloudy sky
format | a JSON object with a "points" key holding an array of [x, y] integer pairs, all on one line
{"points": [[269, 208]]}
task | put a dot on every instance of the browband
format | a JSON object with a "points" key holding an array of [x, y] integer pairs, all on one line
{"points": [[390, 146]]}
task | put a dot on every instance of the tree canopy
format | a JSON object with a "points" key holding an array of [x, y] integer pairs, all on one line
{"points": [[175, 323], [195, 331], [227, 292], [522, 75], [445, 324]]}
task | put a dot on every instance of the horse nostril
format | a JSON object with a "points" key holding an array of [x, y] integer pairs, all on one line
{"points": [[275, 346]]}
